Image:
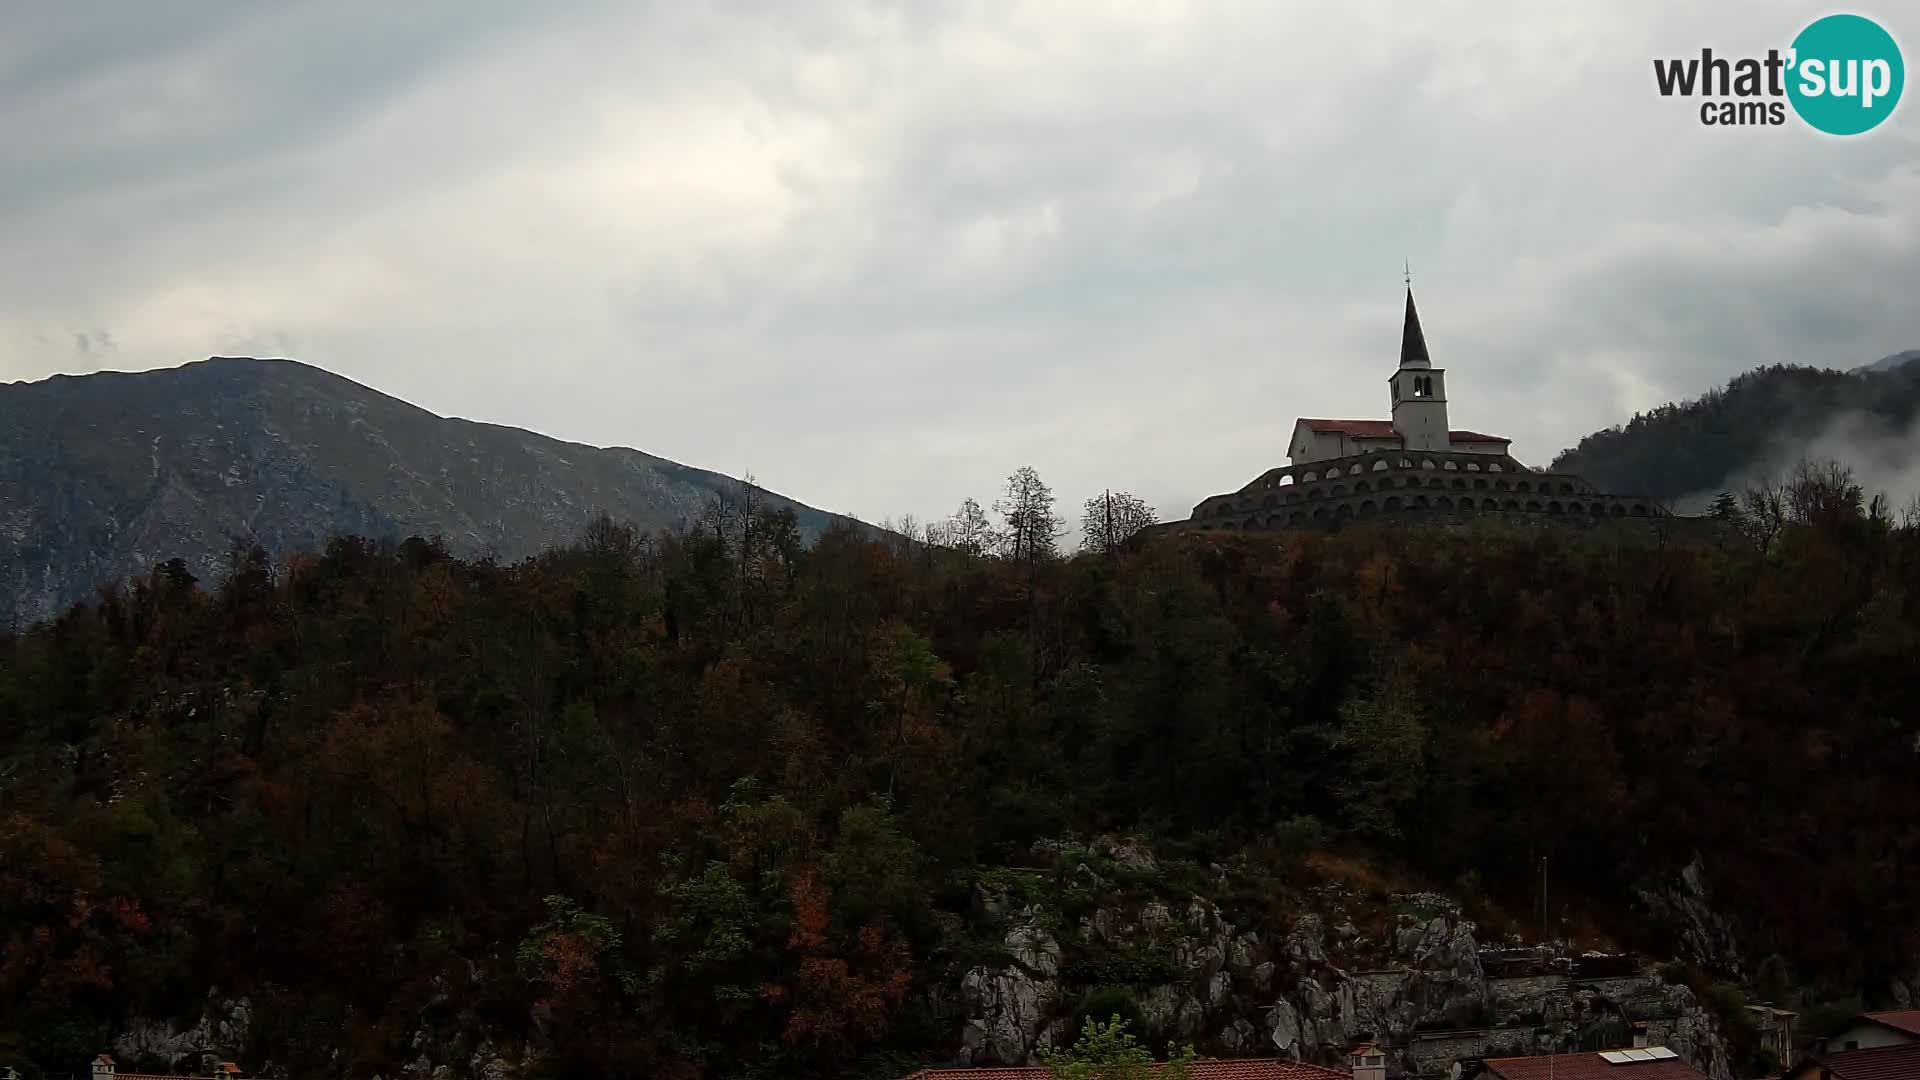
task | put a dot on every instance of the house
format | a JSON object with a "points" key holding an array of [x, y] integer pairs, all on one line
{"points": [[1900, 1061], [1875, 1046], [1641, 1063], [103, 1069], [1896, 1027]]}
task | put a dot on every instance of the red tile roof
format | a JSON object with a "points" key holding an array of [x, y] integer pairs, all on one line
{"points": [[1589, 1066], [1879, 1063], [1907, 1020], [1383, 429], [1250, 1069], [1355, 429]]}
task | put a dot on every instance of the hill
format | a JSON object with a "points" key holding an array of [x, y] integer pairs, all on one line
{"points": [[1888, 363], [103, 475], [1758, 425], [681, 810]]}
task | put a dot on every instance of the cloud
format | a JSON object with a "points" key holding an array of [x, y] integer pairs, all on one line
{"points": [[881, 253]]}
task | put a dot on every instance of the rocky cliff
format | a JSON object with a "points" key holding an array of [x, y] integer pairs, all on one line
{"points": [[101, 476], [1420, 980]]}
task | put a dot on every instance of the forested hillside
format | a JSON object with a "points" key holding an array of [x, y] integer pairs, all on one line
{"points": [[1758, 423], [710, 804]]}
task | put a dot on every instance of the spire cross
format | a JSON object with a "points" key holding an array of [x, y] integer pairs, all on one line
{"points": [[1409, 273]]}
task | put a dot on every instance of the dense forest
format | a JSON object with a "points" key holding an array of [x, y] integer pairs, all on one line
{"points": [[697, 803], [1757, 422]]}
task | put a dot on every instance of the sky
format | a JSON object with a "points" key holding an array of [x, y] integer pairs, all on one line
{"points": [[880, 254]]}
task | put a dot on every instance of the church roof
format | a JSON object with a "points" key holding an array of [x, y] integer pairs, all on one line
{"points": [[1413, 343], [1383, 429]]}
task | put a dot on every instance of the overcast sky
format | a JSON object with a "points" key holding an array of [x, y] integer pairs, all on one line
{"points": [[881, 253]]}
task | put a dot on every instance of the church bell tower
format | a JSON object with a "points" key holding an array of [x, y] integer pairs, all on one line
{"points": [[1419, 390]]}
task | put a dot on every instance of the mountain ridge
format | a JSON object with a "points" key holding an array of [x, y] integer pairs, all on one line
{"points": [[103, 474]]}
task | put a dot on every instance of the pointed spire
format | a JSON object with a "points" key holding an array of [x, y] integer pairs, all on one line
{"points": [[1413, 343]]}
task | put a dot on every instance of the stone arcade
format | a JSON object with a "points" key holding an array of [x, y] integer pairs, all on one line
{"points": [[1412, 467]]}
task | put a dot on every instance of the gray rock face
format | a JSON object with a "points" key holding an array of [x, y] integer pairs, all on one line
{"points": [[218, 1036], [1007, 1010], [103, 476], [1422, 987], [1706, 937]]}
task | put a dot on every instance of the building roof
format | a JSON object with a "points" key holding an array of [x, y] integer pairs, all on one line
{"points": [[1383, 429], [1900, 1062], [1413, 342], [227, 1068], [1245, 1069], [1907, 1020], [1591, 1066]]}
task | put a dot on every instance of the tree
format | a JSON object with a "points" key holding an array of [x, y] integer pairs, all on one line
{"points": [[1032, 529], [1110, 520], [1107, 1051], [968, 531]]}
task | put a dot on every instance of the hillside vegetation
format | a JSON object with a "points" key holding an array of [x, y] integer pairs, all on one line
{"points": [[1758, 423], [706, 804]]}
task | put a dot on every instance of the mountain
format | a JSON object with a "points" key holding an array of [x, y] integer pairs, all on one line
{"points": [[1888, 363], [1761, 422], [103, 475]]}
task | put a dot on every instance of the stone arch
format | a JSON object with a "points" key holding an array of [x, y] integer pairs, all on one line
{"points": [[1546, 487], [1619, 511], [1361, 488], [1308, 478], [1566, 488], [1426, 463], [1489, 505], [1494, 466], [1380, 466], [1316, 493], [1253, 523], [1511, 504], [1639, 510], [1473, 466], [1320, 513], [1533, 506], [1479, 483], [1296, 518], [1459, 483], [1443, 502], [1420, 502], [1450, 466], [1269, 502], [1367, 509], [1555, 508], [1393, 502], [1436, 482], [1289, 498], [1339, 490], [1287, 480], [1345, 510], [1466, 505], [1406, 463], [1575, 508]]}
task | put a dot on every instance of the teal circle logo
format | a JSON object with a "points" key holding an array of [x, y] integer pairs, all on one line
{"points": [[1846, 74]]}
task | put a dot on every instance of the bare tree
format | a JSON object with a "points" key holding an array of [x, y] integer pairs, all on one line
{"points": [[1032, 530], [968, 530], [1111, 519]]}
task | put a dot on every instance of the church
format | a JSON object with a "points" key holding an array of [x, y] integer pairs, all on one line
{"points": [[1413, 467]]}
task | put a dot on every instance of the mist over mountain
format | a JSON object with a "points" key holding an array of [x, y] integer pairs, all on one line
{"points": [[1757, 426], [103, 475]]}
